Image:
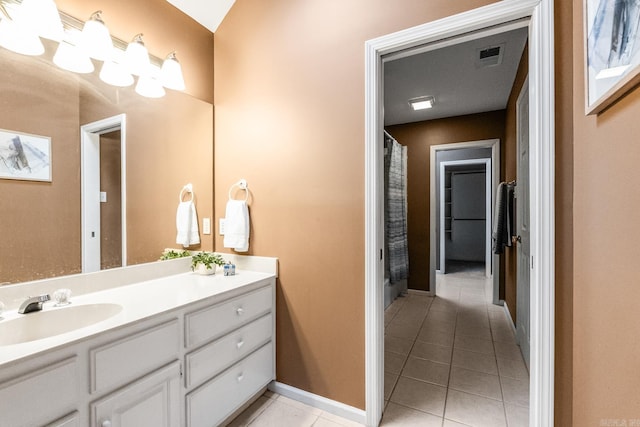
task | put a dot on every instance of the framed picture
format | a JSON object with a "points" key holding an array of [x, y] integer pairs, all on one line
{"points": [[612, 51], [24, 156]]}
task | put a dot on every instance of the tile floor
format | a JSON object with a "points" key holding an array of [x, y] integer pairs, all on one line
{"points": [[450, 361]]}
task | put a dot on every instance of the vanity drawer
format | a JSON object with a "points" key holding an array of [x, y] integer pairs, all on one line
{"points": [[213, 358], [40, 396], [211, 322], [211, 403], [125, 360]]}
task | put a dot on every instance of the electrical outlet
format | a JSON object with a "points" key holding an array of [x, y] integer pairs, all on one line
{"points": [[206, 225], [221, 228]]}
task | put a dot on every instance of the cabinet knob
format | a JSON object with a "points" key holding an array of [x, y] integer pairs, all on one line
{"points": [[240, 344], [240, 377], [106, 423], [240, 311]]}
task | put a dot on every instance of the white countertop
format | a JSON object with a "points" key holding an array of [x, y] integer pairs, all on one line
{"points": [[139, 301]]}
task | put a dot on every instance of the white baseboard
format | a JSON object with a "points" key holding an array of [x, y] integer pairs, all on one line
{"points": [[508, 314], [322, 403]]}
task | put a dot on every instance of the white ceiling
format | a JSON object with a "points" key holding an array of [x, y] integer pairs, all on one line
{"points": [[451, 76], [209, 13]]}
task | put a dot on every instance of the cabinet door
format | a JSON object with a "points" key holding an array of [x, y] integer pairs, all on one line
{"points": [[153, 401]]}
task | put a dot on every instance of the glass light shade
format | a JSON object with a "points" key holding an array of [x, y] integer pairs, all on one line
{"points": [[95, 40], [149, 84], [115, 74], [171, 73], [19, 39], [42, 17], [69, 57], [136, 57]]}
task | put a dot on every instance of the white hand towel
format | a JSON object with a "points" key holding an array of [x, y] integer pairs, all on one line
{"points": [[187, 224], [236, 226]]}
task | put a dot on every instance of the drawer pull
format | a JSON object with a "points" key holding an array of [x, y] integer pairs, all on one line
{"points": [[240, 344], [240, 377], [240, 311], [106, 423]]}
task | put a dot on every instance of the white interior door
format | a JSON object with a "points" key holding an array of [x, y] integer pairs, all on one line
{"points": [[522, 224]]}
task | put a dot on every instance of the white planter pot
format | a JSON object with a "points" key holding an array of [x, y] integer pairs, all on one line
{"points": [[202, 269]]}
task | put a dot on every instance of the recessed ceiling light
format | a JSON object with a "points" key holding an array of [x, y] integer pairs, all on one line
{"points": [[422, 103]]}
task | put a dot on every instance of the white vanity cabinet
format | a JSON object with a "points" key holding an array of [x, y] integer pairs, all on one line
{"points": [[190, 366], [235, 358]]}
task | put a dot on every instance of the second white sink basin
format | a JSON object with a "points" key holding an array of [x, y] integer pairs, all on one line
{"points": [[51, 322]]}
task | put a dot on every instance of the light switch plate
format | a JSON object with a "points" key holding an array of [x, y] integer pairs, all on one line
{"points": [[103, 197], [221, 228], [206, 225]]}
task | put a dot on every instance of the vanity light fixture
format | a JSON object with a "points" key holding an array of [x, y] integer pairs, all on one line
{"points": [[96, 41], [70, 57], [42, 17], [136, 57], [171, 73], [18, 38], [149, 84], [113, 71], [422, 103]]}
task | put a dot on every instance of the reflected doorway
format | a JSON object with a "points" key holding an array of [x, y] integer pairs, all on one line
{"points": [[103, 176]]}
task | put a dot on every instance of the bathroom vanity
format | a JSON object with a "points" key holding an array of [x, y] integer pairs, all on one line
{"points": [[179, 350]]}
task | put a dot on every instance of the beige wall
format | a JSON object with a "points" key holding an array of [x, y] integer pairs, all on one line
{"points": [[419, 137], [289, 79], [606, 269]]}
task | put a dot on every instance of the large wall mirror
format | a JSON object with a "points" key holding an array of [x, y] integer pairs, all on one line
{"points": [[169, 143]]}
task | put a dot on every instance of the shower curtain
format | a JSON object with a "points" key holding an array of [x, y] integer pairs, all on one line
{"points": [[396, 210]]}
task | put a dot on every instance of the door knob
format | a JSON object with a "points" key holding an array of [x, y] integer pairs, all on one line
{"points": [[516, 239]]}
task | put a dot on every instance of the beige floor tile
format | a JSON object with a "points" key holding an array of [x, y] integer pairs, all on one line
{"points": [[403, 329], [503, 334], [400, 416], [252, 412], [517, 416], [410, 316], [474, 410], [280, 414], [507, 350], [426, 370], [420, 395], [336, 420], [441, 316], [515, 391], [299, 405], [513, 369], [390, 381], [449, 423], [433, 352], [464, 342], [397, 345], [393, 362], [475, 382], [475, 361], [474, 331], [435, 337], [435, 325], [323, 422]]}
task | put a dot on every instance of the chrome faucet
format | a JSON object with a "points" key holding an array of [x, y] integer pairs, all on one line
{"points": [[33, 304]]}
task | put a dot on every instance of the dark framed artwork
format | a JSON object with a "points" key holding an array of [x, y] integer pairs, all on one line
{"points": [[612, 51]]}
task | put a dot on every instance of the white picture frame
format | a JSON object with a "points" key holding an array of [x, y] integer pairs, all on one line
{"points": [[25, 156]]}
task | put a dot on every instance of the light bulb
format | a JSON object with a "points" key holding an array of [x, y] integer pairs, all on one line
{"points": [[42, 17], [95, 40], [19, 38], [171, 73], [136, 57], [149, 84], [69, 57]]}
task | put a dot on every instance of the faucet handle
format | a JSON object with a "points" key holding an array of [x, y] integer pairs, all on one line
{"points": [[61, 296]]}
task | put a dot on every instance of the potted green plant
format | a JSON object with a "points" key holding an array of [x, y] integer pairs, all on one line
{"points": [[173, 254], [206, 262]]}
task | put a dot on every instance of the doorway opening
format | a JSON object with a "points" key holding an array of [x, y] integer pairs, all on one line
{"points": [[103, 198], [538, 16]]}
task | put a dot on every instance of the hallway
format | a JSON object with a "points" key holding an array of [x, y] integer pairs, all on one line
{"points": [[452, 360]]}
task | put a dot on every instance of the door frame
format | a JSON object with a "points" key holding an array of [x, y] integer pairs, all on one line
{"points": [[488, 199], [540, 20], [90, 188]]}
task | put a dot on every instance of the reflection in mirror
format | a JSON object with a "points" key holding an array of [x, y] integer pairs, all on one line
{"points": [[169, 142]]}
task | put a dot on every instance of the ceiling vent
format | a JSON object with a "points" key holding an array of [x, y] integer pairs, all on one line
{"points": [[489, 56]]}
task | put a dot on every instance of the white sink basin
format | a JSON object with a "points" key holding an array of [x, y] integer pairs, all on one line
{"points": [[56, 321]]}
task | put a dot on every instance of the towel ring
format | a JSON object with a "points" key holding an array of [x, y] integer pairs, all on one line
{"points": [[186, 189], [242, 185]]}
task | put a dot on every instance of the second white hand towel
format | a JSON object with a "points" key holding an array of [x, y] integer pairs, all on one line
{"points": [[236, 226], [187, 224]]}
